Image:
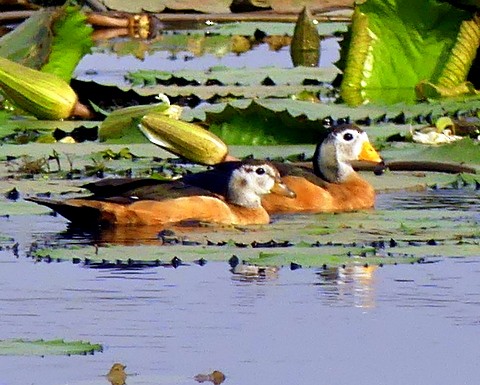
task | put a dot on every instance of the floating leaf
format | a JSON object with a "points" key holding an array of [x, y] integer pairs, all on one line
{"points": [[307, 111], [256, 125], [20, 347], [207, 6], [54, 40], [232, 76], [297, 5], [246, 28]]}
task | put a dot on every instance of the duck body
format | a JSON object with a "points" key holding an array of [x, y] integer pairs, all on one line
{"points": [[228, 194], [332, 185], [153, 212], [351, 195]]}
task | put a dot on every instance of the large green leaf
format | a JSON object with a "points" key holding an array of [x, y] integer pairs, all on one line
{"points": [[72, 40], [54, 40], [395, 44]]}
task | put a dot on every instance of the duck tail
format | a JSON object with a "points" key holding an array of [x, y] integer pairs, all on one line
{"points": [[77, 214]]}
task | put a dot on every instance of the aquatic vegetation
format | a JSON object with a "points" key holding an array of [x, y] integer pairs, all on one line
{"points": [[21, 347]]}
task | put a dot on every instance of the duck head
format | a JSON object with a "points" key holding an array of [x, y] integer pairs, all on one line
{"points": [[250, 180], [344, 144]]}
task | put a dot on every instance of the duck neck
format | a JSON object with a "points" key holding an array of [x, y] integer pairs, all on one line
{"points": [[244, 198], [327, 166]]}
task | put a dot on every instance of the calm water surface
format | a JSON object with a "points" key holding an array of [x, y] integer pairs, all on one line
{"points": [[415, 324], [111, 69]]}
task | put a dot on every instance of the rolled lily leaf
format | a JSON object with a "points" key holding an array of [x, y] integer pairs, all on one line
{"points": [[43, 95], [427, 90], [305, 46], [451, 81], [396, 44], [22, 45], [184, 139], [123, 123]]}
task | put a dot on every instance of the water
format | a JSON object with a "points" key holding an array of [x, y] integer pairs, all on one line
{"points": [[107, 68], [416, 324], [446, 199]]}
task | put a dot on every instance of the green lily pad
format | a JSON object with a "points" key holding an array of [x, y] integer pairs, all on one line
{"points": [[20, 347], [306, 113], [255, 125], [21, 131], [232, 76]]}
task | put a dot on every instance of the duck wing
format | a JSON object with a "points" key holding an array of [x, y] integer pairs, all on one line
{"points": [[110, 187], [287, 169]]}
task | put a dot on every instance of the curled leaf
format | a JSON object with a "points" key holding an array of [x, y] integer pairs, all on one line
{"points": [[305, 46], [182, 138]]}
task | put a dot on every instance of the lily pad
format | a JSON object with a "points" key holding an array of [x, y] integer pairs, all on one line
{"points": [[20, 347], [227, 76], [246, 28], [366, 114], [207, 6], [297, 5]]}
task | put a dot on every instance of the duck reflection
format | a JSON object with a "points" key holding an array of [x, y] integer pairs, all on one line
{"points": [[143, 235], [216, 377], [117, 375], [349, 285], [247, 272]]}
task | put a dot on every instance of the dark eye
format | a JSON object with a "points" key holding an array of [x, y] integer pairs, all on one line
{"points": [[348, 136], [260, 171]]}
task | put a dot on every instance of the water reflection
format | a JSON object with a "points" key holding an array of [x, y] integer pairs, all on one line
{"points": [[348, 286], [117, 374], [446, 199], [140, 235]]}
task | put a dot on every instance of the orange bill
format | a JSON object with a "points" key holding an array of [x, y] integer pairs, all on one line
{"points": [[369, 154]]}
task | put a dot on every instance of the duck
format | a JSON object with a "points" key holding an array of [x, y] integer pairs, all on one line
{"points": [[332, 185], [230, 193]]}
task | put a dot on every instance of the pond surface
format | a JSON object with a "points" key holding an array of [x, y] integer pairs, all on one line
{"points": [[109, 68], [416, 324]]}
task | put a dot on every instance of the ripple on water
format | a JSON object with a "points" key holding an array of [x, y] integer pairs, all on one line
{"points": [[444, 199]]}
